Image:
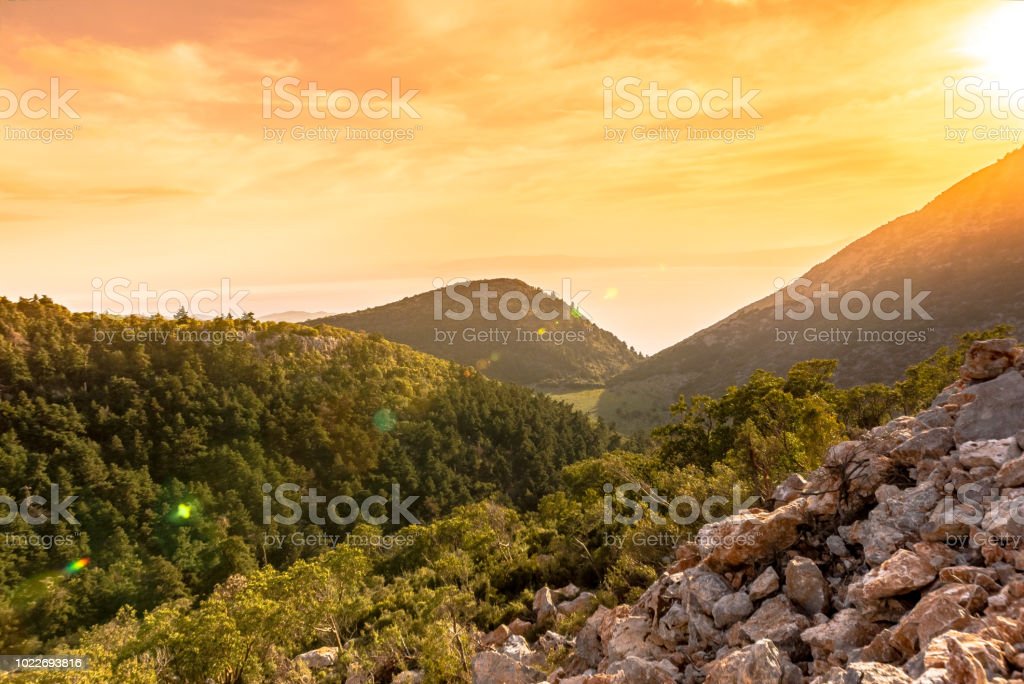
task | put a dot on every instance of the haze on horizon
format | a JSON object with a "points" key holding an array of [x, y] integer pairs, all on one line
{"points": [[169, 179]]}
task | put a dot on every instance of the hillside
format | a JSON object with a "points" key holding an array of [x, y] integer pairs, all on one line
{"points": [[899, 560], [169, 434], [966, 247], [570, 353]]}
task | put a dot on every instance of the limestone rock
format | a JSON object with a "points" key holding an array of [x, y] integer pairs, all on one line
{"points": [[997, 411], [489, 667], [732, 608], [806, 586], [901, 574], [766, 584], [749, 537]]}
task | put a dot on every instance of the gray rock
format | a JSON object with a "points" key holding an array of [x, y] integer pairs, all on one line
{"points": [[766, 584], [934, 443], [997, 411], [806, 586], [732, 608]]}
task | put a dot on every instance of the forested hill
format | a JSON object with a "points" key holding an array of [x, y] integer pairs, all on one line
{"points": [[167, 430]]}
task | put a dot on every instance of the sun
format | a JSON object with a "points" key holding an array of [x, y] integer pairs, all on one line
{"points": [[996, 43]]}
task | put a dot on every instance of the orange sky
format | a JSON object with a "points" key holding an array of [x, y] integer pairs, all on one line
{"points": [[169, 180]]}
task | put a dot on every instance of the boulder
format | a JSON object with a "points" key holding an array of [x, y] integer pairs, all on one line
{"points": [[988, 359], [584, 603], [903, 573], [758, 663], [1011, 473], [489, 667], [637, 671], [846, 631], [992, 453], [544, 607], [778, 621], [766, 584], [806, 586], [996, 412], [732, 608], [750, 537], [496, 637], [934, 443], [319, 659]]}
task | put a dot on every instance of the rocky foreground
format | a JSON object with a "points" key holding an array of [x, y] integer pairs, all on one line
{"points": [[901, 559]]}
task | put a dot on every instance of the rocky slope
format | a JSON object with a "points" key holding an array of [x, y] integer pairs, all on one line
{"points": [[901, 559], [965, 247]]}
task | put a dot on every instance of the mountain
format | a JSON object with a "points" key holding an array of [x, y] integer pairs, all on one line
{"points": [[550, 346], [966, 248], [294, 316]]}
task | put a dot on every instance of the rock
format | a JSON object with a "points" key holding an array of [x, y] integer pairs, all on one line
{"points": [[759, 663], [1011, 474], [706, 587], [408, 677], [732, 608], [934, 443], [986, 578], [778, 621], [629, 638], [584, 603], [496, 637], [903, 573], [992, 453], [749, 537], [766, 584], [489, 667], [997, 411], [319, 659], [544, 607], [645, 672], [988, 359], [836, 546], [936, 418], [520, 627], [869, 673], [968, 649], [806, 586], [846, 631], [948, 607], [567, 593], [1005, 519], [789, 489], [516, 647], [588, 641]]}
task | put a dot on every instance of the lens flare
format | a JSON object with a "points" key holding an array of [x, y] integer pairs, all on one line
{"points": [[183, 512], [76, 566]]}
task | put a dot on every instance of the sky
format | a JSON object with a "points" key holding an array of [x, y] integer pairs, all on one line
{"points": [[512, 150]]}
